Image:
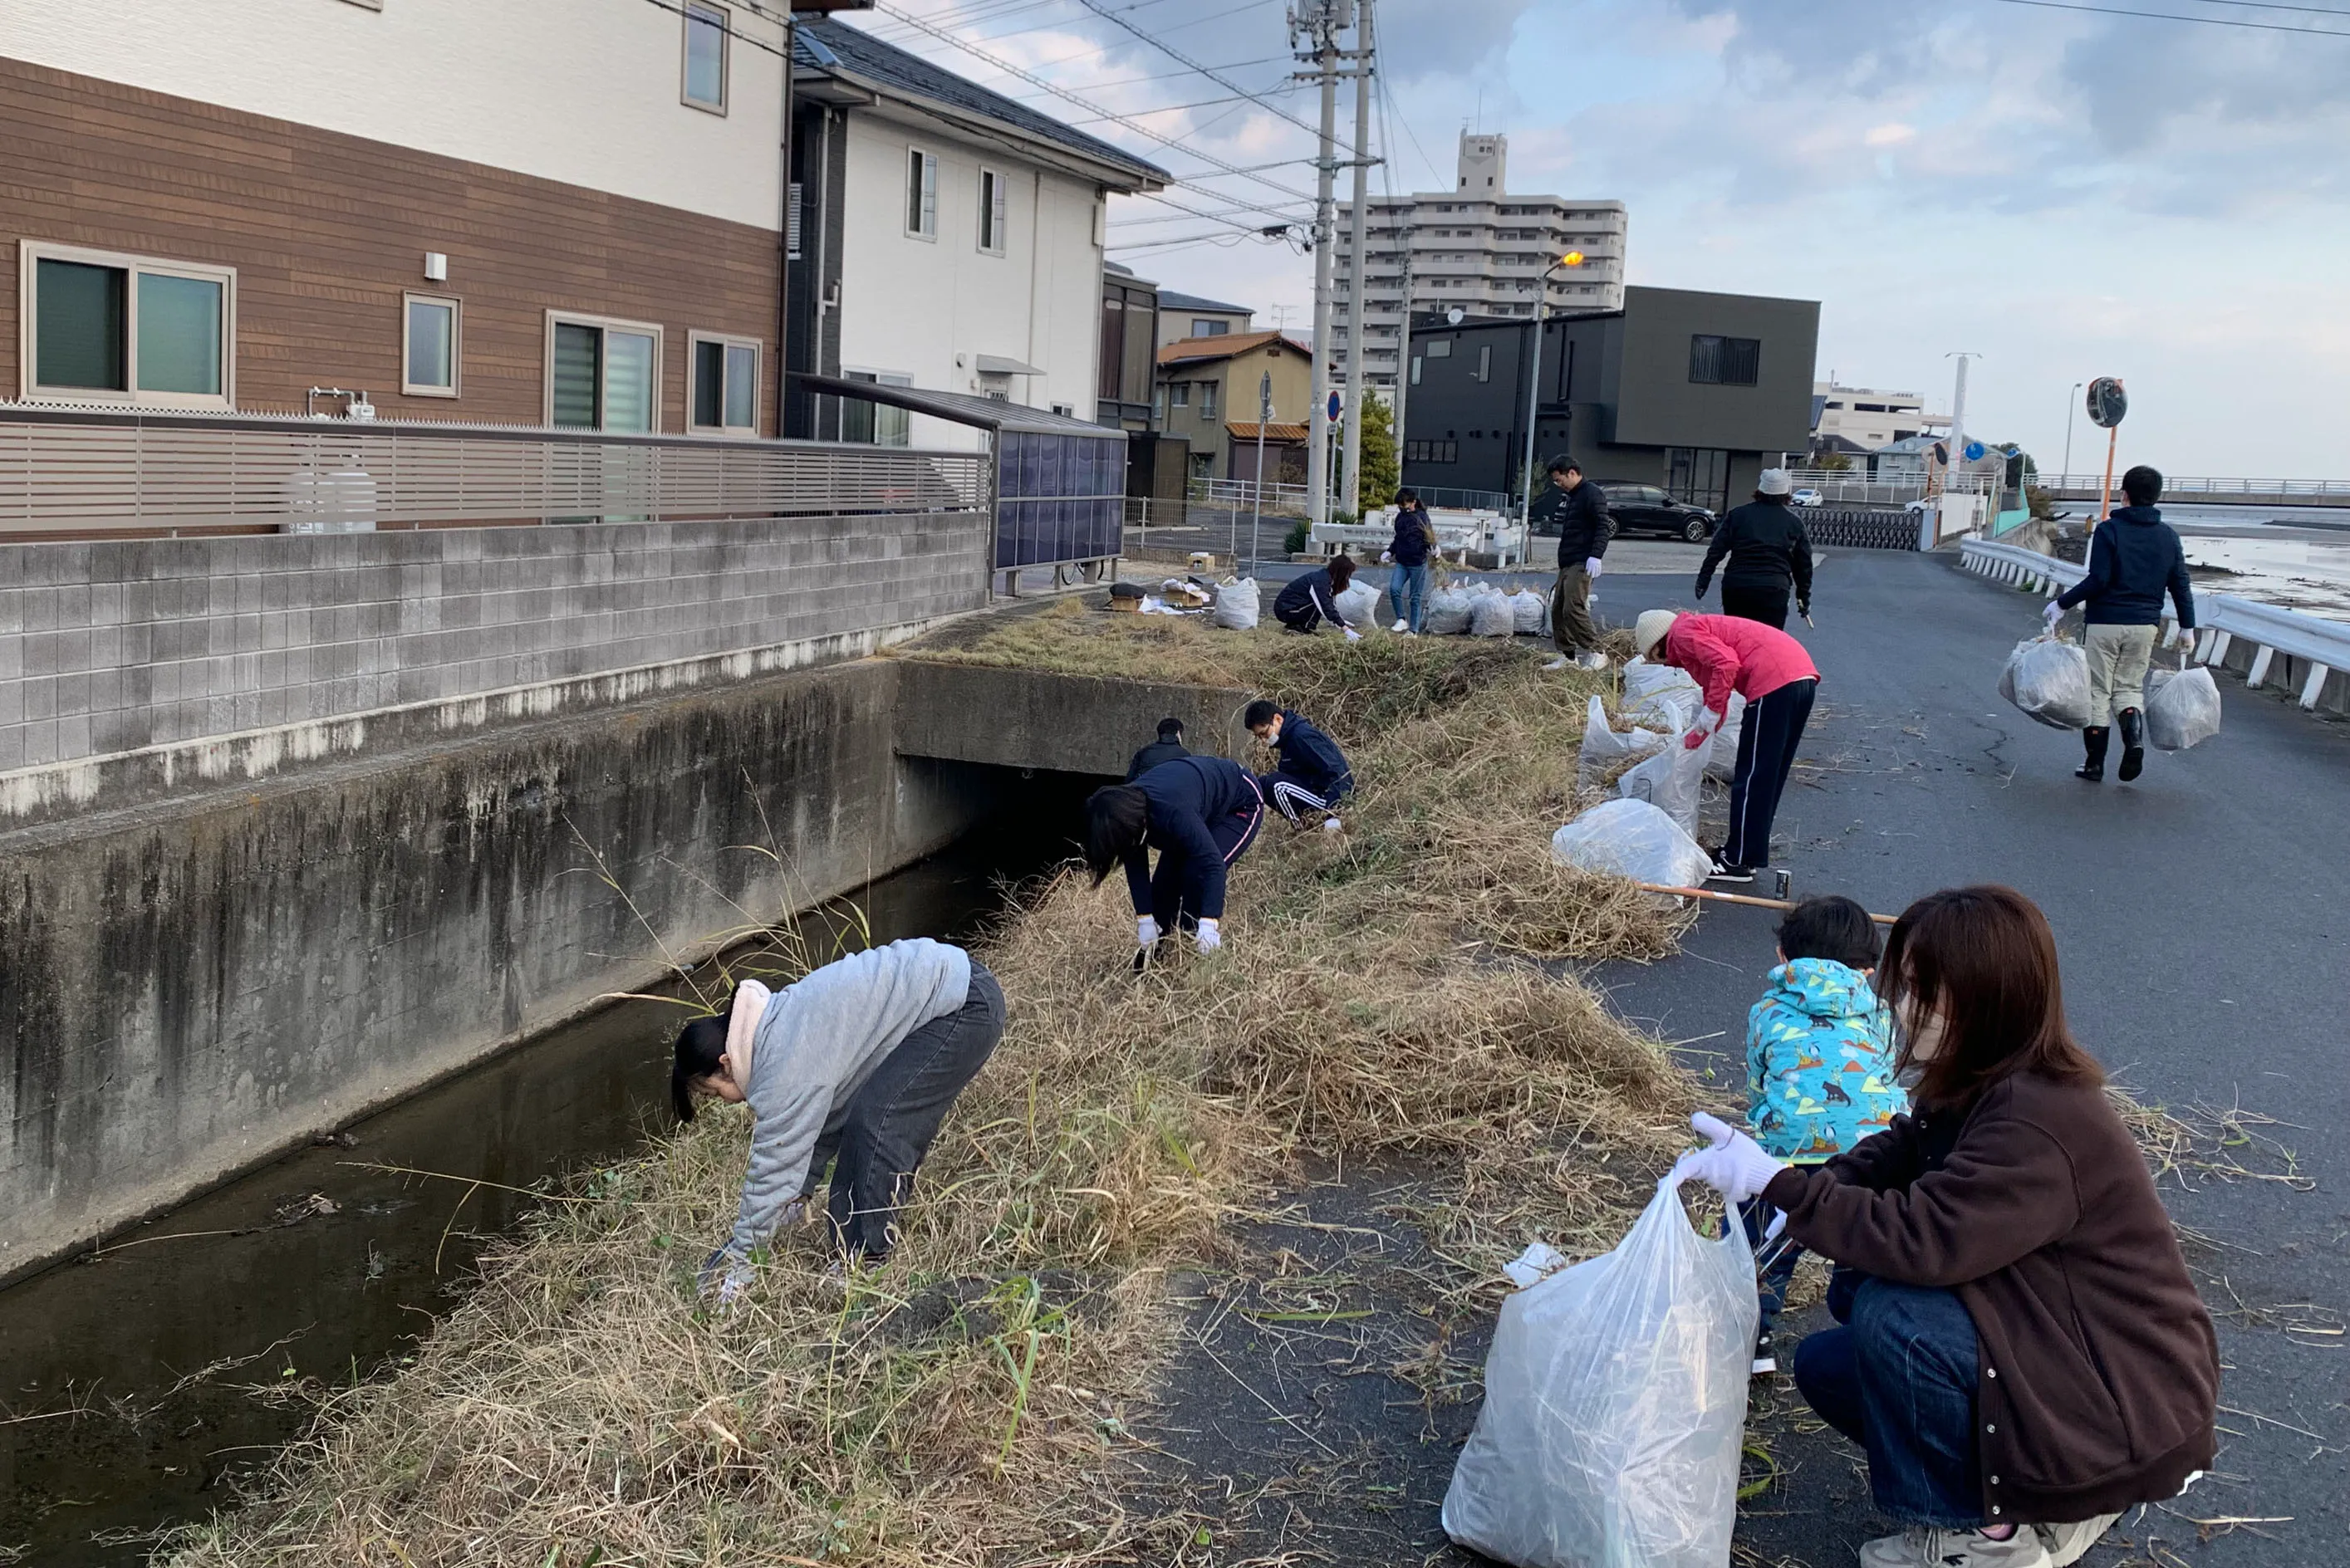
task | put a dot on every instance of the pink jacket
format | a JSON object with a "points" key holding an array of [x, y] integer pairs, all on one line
{"points": [[1728, 653]]}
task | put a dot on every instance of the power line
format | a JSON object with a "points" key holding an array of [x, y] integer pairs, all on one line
{"points": [[2175, 16], [1181, 57], [1168, 76]]}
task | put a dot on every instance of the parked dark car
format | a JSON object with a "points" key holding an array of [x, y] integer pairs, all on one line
{"points": [[1633, 509]]}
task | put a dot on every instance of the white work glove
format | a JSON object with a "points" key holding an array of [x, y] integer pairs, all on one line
{"points": [[2184, 636], [1708, 721], [1352, 635], [1208, 937], [2053, 614], [1146, 931], [1591, 565], [1734, 1165], [1387, 557], [725, 1287]]}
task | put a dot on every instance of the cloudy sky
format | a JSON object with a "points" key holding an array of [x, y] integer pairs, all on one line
{"points": [[2066, 193]]}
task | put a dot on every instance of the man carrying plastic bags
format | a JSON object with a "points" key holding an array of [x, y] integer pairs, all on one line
{"points": [[2134, 559], [1616, 1406]]}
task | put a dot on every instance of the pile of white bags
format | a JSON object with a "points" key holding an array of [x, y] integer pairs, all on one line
{"points": [[2050, 682], [1603, 747], [1236, 606], [1490, 613], [1616, 1406], [1673, 781], [1448, 612], [1632, 839], [1359, 607], [1531, 612], [2183, 708]]}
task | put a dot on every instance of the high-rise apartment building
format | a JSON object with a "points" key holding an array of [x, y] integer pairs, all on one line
{"points": [[1476, 247]]}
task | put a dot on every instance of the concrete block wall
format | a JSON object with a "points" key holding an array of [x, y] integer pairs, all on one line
{"points": [[115, 651]]}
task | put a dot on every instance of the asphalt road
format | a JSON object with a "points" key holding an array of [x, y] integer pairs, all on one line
{"points": [[2201, 920]]}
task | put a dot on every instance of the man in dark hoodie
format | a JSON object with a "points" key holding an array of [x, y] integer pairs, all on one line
{"points": [[1165, 749], [2134, 557]]}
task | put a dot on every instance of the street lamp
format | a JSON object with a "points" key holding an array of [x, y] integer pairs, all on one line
{"points": [[1533, 382], [2071, 407]]}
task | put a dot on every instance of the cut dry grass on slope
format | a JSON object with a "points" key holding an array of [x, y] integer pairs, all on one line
{"points": [[965, 1405]]}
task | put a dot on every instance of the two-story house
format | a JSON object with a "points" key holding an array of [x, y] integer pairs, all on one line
{"points": [[1209, 389]]}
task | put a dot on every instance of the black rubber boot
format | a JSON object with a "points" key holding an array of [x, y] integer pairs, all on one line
{"points": [[2133, 743], [2093, 739]]}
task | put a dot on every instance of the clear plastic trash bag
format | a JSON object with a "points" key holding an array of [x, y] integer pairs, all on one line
{"points": [[1721, 760], [1529, 612], [1236, 606], [1631, 839], [1603, 747], [1491, 616], [1673, 779], [1616, 1406], [2183, 708], [1447, 613], [1359, 607], [2050, 682], [1643, 680]]}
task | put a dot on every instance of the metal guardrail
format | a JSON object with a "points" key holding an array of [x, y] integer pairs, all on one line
{"points": [[80, 471], [2180, 486], [2322, 644], [1277, 497]]}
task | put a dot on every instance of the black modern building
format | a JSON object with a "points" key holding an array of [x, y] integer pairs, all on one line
{"points": [[1695, 393]]}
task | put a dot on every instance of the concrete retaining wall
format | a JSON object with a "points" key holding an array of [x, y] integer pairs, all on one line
{"points": [[128, 667]]}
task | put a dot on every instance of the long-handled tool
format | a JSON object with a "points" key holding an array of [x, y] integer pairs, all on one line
{"points": [[1736, 898]]}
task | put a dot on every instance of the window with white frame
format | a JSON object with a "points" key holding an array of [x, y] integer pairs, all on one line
{"points": [[99, 326], [429, 346], [706, 30], [921, 193], [993, 205], [601, 374], [725, 390], [1181, 391], [1208, 390], [878, 424]]}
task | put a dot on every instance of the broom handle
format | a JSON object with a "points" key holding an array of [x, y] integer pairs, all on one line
{"points": [[1736, 898]]}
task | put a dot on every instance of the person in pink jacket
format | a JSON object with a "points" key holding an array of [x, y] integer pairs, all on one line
{"points": [[1776, 677]]}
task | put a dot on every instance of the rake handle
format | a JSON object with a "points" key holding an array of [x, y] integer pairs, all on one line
{"points": [[1737, 898]]}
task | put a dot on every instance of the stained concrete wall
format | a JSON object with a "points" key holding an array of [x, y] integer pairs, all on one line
{"points": [[1067, 724], [191, 985]]}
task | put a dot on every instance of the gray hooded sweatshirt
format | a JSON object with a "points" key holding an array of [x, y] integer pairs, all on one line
{"points": [[817, 1043]]}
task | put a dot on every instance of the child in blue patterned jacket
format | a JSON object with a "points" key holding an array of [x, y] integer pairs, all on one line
{"points": [[1819, 1069]]}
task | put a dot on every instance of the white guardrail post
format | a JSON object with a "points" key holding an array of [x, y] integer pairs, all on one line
{"points": [[2324, 645]]}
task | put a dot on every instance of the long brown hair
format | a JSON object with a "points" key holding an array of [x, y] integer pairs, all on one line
{"points": [[1984, 960], [1342, 572]]}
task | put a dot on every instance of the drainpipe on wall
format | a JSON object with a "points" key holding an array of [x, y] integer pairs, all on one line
{"points": [[783, 242]]}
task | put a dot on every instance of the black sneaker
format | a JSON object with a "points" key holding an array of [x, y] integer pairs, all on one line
{"points": [[1766, 1361], [1724, 871]]}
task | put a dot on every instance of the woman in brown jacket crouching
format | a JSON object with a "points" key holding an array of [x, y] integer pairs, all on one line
{"points": [[2021, 1354]]}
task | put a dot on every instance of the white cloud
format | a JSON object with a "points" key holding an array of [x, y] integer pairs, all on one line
{"points": [[1893, 133]]}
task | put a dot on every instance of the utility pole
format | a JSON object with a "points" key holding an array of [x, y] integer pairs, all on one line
{"points": [[2071, 407], [1403, 349], [1318, 21], [1958, 415], [1355, 304]]}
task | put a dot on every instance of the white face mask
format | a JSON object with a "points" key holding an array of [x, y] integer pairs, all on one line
{"points": [[1923, 1041]]}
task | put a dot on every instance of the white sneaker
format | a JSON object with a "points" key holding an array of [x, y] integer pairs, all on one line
{"points": [[2068, 1544], [1592, 662], [1331, 825], [1925, 1547], [1401, 626], [1559, 663]]}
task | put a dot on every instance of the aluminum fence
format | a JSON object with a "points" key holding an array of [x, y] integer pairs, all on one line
{"points": [[72, 471]]}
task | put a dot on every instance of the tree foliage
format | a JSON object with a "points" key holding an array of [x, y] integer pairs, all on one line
{"points": [[1381, 470]]}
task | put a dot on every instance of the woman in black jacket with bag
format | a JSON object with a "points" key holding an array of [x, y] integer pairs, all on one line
{"points": [[1414, 542]]}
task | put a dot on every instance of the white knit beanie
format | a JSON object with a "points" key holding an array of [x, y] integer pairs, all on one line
{"points": [[1650, 628]]}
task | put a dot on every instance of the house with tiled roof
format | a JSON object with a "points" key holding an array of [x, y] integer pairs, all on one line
{"points": [[943, 237], [1207, 384]]}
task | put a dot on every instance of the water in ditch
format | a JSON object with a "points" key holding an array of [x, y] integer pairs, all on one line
{"points": [[135, 1389]]}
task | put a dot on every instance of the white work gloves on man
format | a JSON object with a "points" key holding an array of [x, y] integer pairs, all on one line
{"points": [[1352, 635], [1708, 721], [1734, 1165], [2184, 636], [1146, 931], [2053, 614], [1591, 565], [1208, 937]]}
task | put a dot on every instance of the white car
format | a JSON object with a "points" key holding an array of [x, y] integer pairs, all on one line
{"points": [[1808, 497]]}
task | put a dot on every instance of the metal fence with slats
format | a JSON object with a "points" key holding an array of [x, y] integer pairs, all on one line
{"points": [[72, 471]]}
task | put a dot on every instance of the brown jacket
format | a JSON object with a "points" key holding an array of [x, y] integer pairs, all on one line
{"points": [[2100, 1373]]}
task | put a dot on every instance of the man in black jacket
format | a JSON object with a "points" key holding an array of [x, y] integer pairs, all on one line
{"points": [[2134, 558], [1165, 749], [1769, 553], [1582, 530]]}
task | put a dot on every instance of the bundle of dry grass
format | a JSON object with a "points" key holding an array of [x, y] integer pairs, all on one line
{"points": [[963, 1405]]}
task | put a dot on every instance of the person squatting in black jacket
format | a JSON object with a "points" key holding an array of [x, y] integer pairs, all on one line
{"points": [[1769, 553], [1165, 749], [1312, 598], [2134, 558], [1200, 814], [1312, 774]]}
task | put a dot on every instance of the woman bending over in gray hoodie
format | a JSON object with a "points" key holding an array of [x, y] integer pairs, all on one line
{"points": [[853, 1065]]}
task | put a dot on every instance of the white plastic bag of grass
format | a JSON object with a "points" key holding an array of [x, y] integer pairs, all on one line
{"points": [[2050, 682], [1616, 1406], [1721, 757], [1603, 748], [1643, 680], [2183, 708], [1631, 839], [1673, 779], [1447, 613], [1491, 616], [1359, 607], [1236, 606], [1529, 613]]}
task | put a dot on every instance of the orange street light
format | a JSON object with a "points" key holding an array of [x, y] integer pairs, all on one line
{"points": [[1572, 258]]}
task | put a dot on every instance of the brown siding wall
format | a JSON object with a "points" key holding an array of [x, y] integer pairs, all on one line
{"points": [[326, 232]]}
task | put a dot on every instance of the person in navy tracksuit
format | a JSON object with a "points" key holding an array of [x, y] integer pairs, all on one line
{"points": [[1200, 814], [1313, 774]]}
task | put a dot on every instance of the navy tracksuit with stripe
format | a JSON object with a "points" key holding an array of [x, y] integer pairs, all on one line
{"points": [[1313, 774], [1203, 813]]}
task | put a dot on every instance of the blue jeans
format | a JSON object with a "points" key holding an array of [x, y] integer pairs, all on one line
{"points": [[1900, 1379], [1408, 592]]}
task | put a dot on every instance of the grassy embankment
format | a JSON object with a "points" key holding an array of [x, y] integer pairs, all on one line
{"points": [[966, 1403]]}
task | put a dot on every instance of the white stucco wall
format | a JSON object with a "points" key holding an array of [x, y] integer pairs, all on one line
{"points": [[928, 308], [582, 91]]}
